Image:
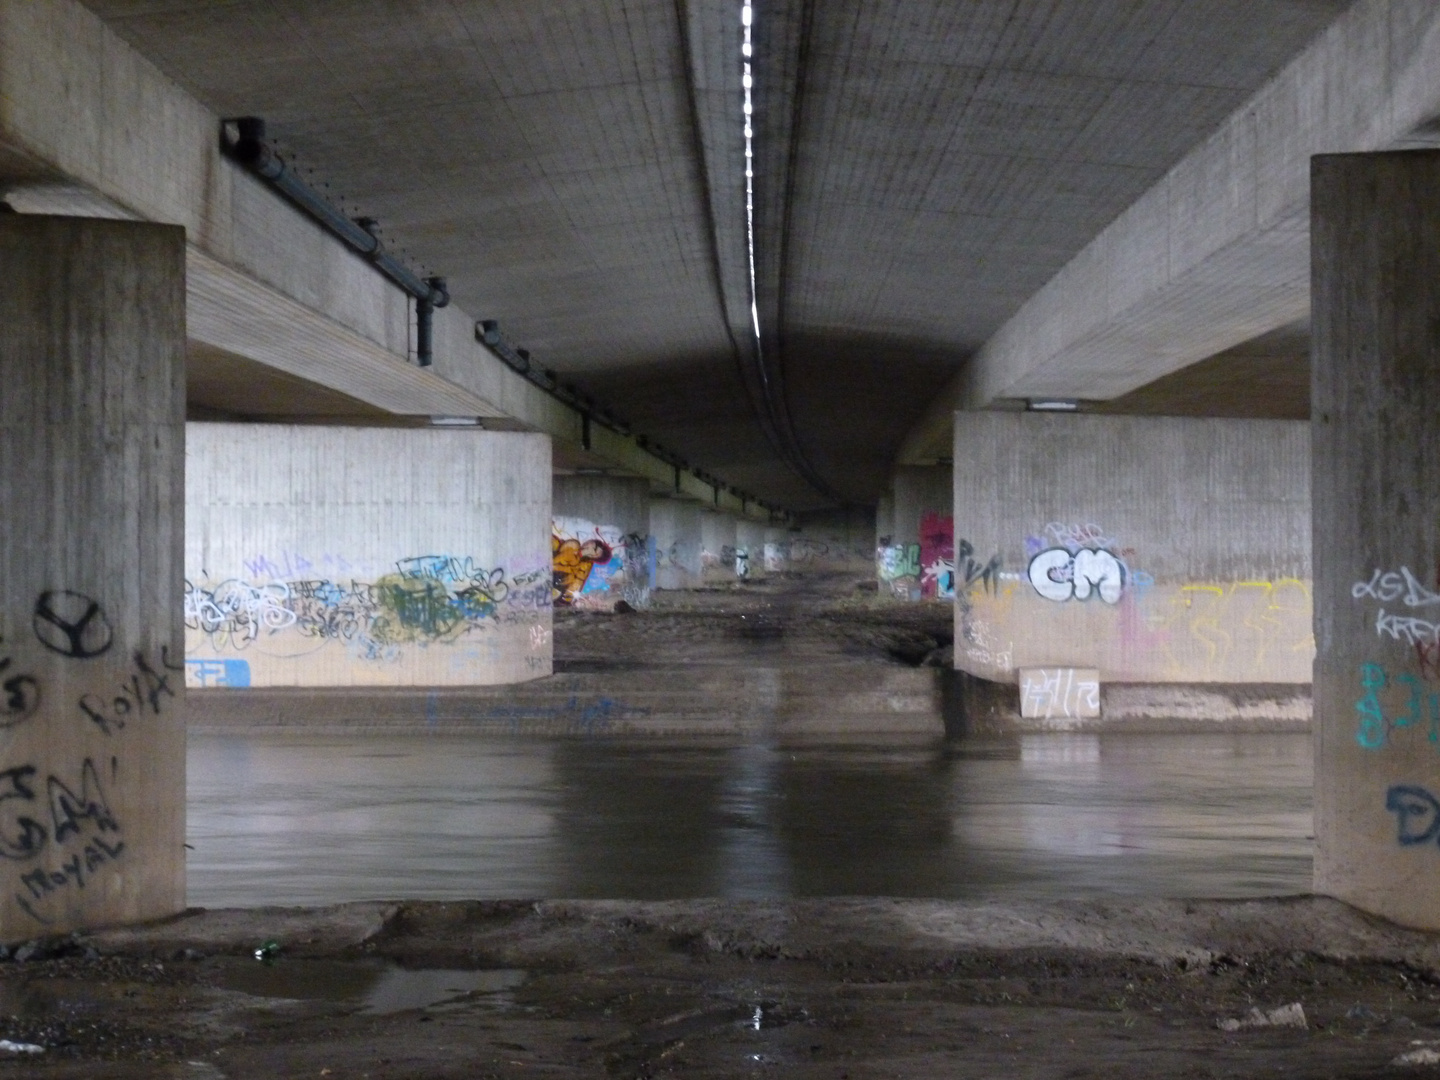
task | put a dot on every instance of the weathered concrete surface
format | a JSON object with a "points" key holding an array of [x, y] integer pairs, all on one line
{"points": [[817, 988], [726, 702], [834, 541], [717, 547], [90, 127], [327, 556], [1377, 531], [675, 526], [1156, 550], [1217, 252], [92, 442], [749, 549]]}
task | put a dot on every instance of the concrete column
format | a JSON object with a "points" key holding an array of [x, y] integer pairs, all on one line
{"points": [[884, 520], [609, 518], [717, 547], [92, 438], [675, 526], [841, 540], [777, 550], [917, 562], [749, 549], [1375, 241], [337, 556]]}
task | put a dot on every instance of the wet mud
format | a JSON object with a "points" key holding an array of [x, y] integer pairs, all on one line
{"points": [[838, 989]]}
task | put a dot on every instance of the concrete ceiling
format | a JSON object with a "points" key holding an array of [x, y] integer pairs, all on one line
{"points": [[574, 167]]}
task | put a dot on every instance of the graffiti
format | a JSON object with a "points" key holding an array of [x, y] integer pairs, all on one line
{"points": [[1417, 814], [937, 555], [803, 550], [724, 559], [1402, 586], [1374, 728], [590, 718], [290, 565], [774, 555], [19, 695], [539, 637], [969, 570], [574, 560], [72, 624], [1070, 536], [1240, 626], [591, 563], [213, 673], [234, 613], [1058, 574], [742, 563], [146, 690], [1392, 586], [898, 567], [425, 600], [1418, 632], [636, 557], [64, 819], [1055, 693]]}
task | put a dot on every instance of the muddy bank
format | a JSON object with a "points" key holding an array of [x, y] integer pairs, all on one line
{"points": [[837, 988]]}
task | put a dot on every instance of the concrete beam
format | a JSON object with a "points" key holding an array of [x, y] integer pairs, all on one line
{"points": [[1218, 251], [89, 127]]}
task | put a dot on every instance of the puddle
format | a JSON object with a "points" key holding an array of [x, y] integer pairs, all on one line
{"points": [[376, 987]]}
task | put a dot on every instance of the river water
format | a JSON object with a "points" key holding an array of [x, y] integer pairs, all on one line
{"points": [[314, 820]]}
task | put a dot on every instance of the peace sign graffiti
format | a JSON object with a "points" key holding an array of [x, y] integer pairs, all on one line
{"points": [[72, 624]]}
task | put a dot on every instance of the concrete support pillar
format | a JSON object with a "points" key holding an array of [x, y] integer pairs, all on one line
{"points": [[777, 550], [717, 547], [675, 526], [884, 520], [913, 564], [1375, 242], [609, 517], [337, 556], [749, 549], [92, 439]]}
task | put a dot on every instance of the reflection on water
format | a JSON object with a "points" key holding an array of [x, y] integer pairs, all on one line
{"points": [[373, 986], [287, 820]]}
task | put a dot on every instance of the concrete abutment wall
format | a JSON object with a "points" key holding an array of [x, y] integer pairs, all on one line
{"points": [[332, 556], [1144, 549]]}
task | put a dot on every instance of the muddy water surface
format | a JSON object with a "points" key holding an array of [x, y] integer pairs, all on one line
{"points": [[310, 820]]}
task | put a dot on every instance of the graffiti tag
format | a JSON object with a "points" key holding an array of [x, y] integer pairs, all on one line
{"points": [[1058, 574]]}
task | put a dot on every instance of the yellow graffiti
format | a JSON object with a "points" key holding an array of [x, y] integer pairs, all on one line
{"points": [[1216, 616], [571, 561]]}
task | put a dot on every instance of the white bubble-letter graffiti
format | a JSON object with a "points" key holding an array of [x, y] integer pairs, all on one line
{"points": [[1043, 574], [1058, 575]]}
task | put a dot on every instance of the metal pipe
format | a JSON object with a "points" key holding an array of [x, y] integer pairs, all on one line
{"points": [[249, 148]]}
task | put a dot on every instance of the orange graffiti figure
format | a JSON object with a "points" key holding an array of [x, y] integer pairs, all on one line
{"points": [[572, 562]]}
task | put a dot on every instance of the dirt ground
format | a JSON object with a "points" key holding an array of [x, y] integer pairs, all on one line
{"points": [[828, 988], [812, 615]]}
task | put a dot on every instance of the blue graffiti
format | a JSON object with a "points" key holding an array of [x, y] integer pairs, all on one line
{"points": [[1417, 814], [590, 718], [207, 673]]}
